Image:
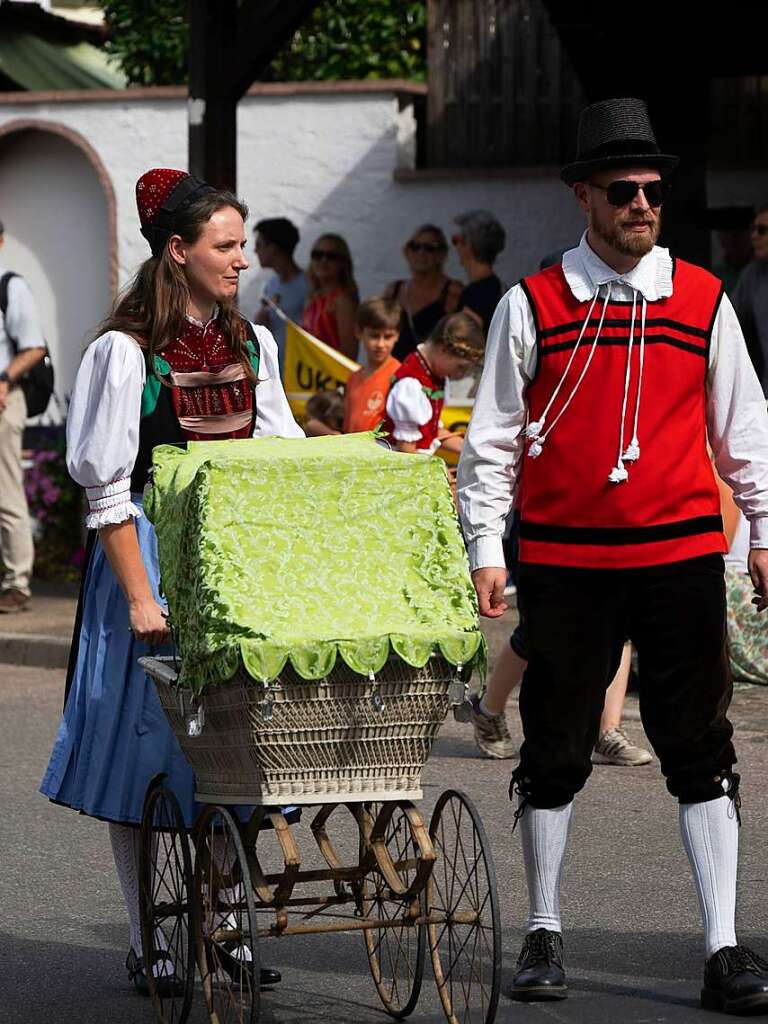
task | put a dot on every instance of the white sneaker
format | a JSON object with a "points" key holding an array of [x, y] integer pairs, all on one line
{"points": [[614, 747], [491, 732]]}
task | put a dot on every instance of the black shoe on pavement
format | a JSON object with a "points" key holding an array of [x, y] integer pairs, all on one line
{"points": [[735, 981], [234, 967], [168, 985], [540, 975]]}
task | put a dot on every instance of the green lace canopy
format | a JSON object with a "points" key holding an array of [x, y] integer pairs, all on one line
{"points": [[309, 549]]}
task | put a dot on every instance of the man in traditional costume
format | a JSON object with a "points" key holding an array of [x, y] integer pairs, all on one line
{"points": [[605, 377]]}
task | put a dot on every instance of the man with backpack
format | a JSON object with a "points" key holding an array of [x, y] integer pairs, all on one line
{"points": [[21, 348]]}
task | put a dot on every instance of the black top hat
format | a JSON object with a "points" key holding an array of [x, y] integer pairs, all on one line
{"points": [[615, 133]]}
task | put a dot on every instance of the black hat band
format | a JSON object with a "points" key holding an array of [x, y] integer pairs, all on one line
{"points": [[187, 191]]}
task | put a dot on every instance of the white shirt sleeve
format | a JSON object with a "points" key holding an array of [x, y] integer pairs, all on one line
{"points": [[737, 422], [21, 320], [408, 408], [489, 464], [273, 413], [103, 427]]}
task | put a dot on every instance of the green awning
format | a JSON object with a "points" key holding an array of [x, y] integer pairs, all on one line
{"points": [[38, 64]]}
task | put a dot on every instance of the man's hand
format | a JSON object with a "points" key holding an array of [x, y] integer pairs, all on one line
{"points": [[490, 583], [758, 570]]}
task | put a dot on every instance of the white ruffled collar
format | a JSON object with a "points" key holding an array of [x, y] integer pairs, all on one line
{"points": [[585, 272], [203, 323]]}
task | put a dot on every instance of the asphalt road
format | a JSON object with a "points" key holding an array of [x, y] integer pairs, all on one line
{"points": [[630, 915]]}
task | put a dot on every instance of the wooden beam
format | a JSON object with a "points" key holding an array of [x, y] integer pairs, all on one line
{"points": [[211, 111], [263, 28], [231, 42]]}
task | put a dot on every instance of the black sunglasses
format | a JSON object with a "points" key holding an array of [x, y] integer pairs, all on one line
{"points": [[326, 254], [760, 229], [621, 193], [424, 247]]}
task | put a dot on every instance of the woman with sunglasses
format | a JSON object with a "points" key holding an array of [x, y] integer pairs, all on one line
{"points": [[429, 294], [333, 297]]}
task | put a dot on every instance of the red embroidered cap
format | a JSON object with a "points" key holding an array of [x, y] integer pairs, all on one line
{"points": [[160, 194], [152, 190]]}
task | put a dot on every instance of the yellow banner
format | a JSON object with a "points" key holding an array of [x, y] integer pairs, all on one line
{"points": [[310, 366]]}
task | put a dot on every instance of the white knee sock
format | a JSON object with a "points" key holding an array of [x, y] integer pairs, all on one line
{"points": [[544, 836], [711, 838], [125, 849]]}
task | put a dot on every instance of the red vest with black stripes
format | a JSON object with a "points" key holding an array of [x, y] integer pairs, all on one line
{"points": [[668, 509]]}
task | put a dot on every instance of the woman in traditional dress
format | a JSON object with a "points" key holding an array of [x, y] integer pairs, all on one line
{"points": [[174, 361]]}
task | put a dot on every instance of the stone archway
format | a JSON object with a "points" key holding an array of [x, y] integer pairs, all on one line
{"points": [[58, 207]]}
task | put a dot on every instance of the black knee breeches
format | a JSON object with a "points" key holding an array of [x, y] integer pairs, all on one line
{"points": [[576, 623]]}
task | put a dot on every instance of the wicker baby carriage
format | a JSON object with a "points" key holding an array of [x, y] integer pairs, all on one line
{"points": [[325, 622]]}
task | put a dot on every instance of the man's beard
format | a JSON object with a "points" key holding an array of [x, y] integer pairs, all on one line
{"points": [[628, 243]]}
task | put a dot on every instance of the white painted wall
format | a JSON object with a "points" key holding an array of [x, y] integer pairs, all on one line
{"points": [[327, 161], [56, 236]]}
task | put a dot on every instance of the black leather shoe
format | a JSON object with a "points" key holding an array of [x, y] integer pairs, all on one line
{"points": [[540, 975], [135, 966], [268, 976], [735, 981], [168, 985]]}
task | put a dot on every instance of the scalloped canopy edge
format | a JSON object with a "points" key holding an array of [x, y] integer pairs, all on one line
{"points": [[264, 660]]}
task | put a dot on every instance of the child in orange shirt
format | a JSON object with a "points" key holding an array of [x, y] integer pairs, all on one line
{"points": [[377, 325]]}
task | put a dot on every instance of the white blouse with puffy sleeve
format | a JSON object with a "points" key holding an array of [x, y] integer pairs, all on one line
{"points": [[105, 411], [410, 410], [103, 427]]}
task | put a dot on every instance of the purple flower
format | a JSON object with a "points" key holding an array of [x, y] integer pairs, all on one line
{"points": [[51, 494]]}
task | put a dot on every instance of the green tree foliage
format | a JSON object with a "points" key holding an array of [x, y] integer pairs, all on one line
{"points": [[357, 39], [341, 39], [148, 39]]}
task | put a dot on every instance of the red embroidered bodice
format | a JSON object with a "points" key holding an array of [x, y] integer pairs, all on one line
{"points": [[212, 396]]}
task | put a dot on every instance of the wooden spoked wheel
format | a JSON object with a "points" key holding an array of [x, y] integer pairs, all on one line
{"points": [[461, 893], [225, 933], [165, 886], [395, 955]]}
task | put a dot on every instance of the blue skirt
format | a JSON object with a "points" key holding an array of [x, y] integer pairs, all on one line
{"points": [[114, 736]]}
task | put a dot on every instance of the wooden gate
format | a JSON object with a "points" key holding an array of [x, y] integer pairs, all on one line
{"points": [[502, 91]]}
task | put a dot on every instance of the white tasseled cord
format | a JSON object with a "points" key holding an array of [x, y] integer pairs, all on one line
{"points": [[619, 473], [533, 430], [536, 448], [632, 454]]}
